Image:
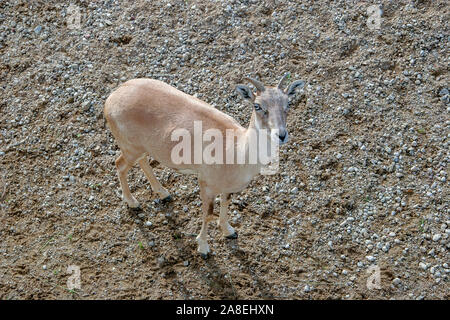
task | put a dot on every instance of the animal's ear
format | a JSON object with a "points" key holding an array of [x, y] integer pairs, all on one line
{"points": [[295, 85], [245, 92]]}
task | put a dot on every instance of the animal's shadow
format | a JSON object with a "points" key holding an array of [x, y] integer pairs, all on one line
{"points": [[221, 283]]}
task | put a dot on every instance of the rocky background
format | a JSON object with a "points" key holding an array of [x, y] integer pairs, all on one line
{"points": [[362, 186]]}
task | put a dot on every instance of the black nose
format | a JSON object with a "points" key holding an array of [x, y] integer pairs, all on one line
{"points": [[282, 135]]}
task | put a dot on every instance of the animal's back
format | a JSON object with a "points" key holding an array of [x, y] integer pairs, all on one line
{"points": [[144, 112]]}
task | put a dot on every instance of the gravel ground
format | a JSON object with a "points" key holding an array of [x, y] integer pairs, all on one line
{"points": [[362, 182]]}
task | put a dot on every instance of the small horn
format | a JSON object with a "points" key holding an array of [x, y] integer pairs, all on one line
{"points": [[258, 84], [283, 79]]}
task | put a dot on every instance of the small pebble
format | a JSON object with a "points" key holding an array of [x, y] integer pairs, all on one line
{"points": [[437, 237], [423, 266], [38, 29]]}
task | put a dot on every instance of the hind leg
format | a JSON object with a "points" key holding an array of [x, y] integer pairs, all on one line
{"points": [[156, 185], [123, 166]]}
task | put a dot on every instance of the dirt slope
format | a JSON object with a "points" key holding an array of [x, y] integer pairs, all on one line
{"points": [[362, 182]]}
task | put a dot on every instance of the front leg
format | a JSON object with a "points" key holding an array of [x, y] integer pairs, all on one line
{"points": [[227, 230], [207, 208]]}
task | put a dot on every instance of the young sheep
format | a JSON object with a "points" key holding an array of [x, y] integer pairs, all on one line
{"points": [[143, 114]]}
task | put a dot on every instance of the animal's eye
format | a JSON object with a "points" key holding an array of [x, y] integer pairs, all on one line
{"points": [[257, 107]]}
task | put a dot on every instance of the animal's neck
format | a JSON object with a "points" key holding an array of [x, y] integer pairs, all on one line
{"points": [[258, 145], [253, 125]]}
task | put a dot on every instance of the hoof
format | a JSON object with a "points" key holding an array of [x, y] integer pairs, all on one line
{"points": [[232, 236], [167, 199], [134, 206], [204, 256], [132, 203]]}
